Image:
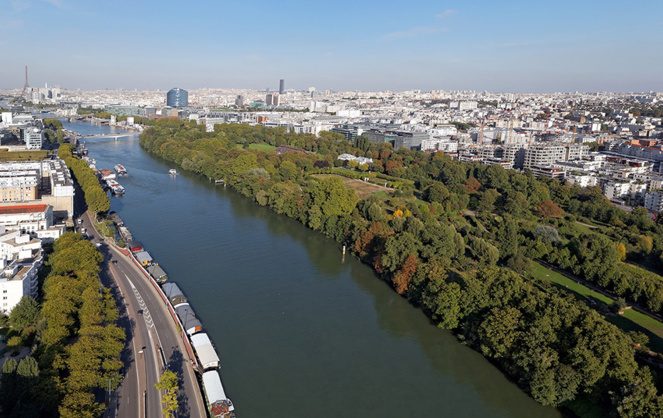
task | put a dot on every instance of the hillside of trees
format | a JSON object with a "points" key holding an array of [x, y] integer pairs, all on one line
{"points": [[458, 240]]}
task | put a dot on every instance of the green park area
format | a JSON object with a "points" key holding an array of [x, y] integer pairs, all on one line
{"points": [[37, 155], [259, 147], [631, 320]]}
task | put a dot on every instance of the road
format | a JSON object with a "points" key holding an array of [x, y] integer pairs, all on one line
{"points": [[153, 342]]}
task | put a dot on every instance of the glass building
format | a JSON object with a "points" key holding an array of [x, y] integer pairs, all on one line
{"points": [[177, 98]]}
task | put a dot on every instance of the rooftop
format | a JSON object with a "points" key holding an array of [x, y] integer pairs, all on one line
{"points": [[13, 210]]}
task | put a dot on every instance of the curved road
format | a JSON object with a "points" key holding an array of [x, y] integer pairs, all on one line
{"points": [[153, 343]]}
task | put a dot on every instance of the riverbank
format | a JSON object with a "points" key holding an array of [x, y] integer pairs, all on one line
{"points": [[401, 248], [301, 320]]}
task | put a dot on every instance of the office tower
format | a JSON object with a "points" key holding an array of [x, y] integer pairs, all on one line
{"points": [[282, 86], [177, 98]]}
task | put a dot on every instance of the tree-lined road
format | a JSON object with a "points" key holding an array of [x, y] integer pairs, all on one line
{"points": [[153, 342]]}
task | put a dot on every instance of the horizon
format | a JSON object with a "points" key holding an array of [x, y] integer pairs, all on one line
{"points": [[519, 47]]}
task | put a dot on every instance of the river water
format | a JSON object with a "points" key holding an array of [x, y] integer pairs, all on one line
{"points": [[300, 331]]}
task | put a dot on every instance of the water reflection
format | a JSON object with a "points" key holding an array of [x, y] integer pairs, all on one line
{"points": [[298, 331]]}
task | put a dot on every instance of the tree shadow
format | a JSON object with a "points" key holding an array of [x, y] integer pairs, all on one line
{"points": [[176, 363]]}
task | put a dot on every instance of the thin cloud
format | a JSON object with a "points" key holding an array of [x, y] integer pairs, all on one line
{"points": [[414, 32], [445, 14]]}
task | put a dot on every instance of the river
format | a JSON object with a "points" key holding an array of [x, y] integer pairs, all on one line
{"points": [[301, 332]]}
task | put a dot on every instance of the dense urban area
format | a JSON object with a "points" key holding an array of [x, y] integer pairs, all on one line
{"points": [[527, 224]]}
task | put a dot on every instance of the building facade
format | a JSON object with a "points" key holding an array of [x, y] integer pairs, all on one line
{"points": [[654, 201], [177, 98]]}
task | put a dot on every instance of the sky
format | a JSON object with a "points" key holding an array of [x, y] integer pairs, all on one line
{"points": [[366, 45]]}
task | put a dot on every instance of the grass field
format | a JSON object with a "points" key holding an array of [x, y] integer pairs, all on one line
{"points": [[23, 155], [630, 321], [362, 188], [261, 147], [586, 229]]}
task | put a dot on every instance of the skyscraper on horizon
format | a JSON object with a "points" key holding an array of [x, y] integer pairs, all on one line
{"points": [[282, 86], [177, 98]]}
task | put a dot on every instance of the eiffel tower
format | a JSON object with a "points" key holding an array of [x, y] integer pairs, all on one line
{"points": [[26, 86]]}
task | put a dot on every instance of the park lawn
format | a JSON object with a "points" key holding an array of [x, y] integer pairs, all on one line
{"points": [[23, 155], [261, 147], [362, 188], [587, 230], [631, 320], [581, 291]]}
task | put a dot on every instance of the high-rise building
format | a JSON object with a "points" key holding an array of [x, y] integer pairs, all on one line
{"points": [[272, 99], [281, 86], [177, 98]]}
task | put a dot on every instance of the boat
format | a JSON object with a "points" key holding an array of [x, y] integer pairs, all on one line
{"points": [[118, 190], [115, 187], [173, 172], [120, 170]]}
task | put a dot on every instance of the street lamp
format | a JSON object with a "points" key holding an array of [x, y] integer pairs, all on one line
{"points": [[109, 379]]}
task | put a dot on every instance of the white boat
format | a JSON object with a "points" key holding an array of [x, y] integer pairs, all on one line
{"points": [[120, 170], [115, 187], [173, 172]]}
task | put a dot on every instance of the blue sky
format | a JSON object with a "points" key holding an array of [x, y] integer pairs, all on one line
{"points": [[518, 46]]}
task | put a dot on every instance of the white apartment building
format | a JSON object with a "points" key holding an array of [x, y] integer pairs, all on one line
{"points": [[17, 280], [617, 190], [547, 155], [654, 201], [33, 137], [439, 144], [444, 130], [581, 179], [14, 245], [26, 218], [654, 181]]}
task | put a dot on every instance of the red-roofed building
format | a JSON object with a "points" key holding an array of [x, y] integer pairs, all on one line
{"points": [[27, 218]]}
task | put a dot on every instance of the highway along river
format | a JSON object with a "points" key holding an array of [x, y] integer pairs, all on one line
{"points": [[300, 332]]}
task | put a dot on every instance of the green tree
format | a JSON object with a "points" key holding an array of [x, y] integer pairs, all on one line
{"points": [[487, 200], [168, 383], [638, 397], [499, 331], [333, 198], [24, 314], [289, 171], [436, 193], [443, 301]]}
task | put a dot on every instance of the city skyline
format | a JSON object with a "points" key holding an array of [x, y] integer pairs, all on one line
{"points": [[518, 46]]}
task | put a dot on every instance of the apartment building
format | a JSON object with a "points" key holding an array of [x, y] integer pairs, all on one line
{"points": [[654, 201], [546, 155], [41, 182], [617, 190]]}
